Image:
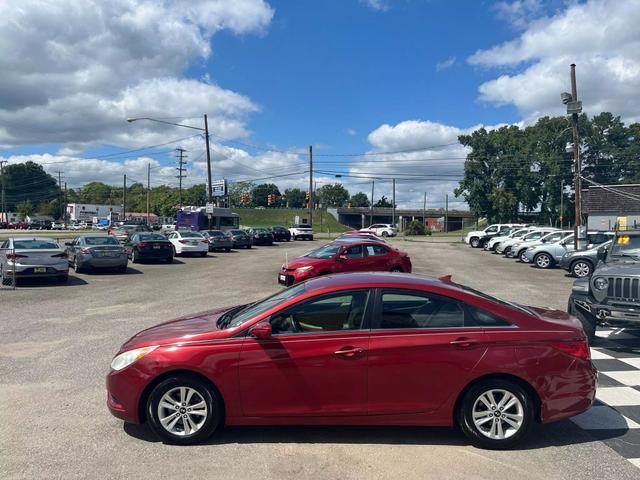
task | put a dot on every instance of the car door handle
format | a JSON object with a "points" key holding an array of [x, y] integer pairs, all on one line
{"points": [[463, 342], [349, 351]]}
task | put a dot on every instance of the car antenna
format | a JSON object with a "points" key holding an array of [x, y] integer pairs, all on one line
{"points": [[445, 278]]}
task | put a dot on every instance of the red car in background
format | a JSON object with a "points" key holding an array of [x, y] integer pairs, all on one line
{"points": [[345, 255], [358, 349]]}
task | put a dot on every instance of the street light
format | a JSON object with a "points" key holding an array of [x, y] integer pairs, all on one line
{"points": [[206, 135]]}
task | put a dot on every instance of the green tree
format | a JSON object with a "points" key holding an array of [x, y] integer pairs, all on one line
{"points": [[295, 197], [260, 193], [360, 199], [195, 195], [27, 181], [332, 196], [236, 189], [24, 209], [383, 203]]}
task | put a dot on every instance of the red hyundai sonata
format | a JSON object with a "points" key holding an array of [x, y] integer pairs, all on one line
{"points": [[345, 255], [358, 349]]}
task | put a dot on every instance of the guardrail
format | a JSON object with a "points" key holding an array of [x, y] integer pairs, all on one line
{"points": [[7, 269]]}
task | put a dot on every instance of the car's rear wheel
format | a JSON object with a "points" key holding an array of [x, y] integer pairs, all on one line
{"points": [[543, 260], [496, 414], [135, 256], [397, 269], [63, 278], [183, 410], [581, 268], [78, 267], [475, 242], [385, 234], [203, 254], [170, 259]]}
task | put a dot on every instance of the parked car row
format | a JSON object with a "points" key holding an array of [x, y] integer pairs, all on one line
{"points": [[544, 247]]}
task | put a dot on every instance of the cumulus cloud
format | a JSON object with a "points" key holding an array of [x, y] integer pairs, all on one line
{"points": [[377, 5], [448, 63], [600, 36], [73, 70]]}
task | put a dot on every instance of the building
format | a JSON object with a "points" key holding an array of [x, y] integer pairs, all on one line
{"points": [[85, 212], [612, 206], [436, 219]]}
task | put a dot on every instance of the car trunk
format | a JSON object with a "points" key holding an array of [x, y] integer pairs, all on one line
{"points": [[39, 257]]}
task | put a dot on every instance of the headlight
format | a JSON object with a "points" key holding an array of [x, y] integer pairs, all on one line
{"points": [[601, 283], [303, 269], [127, 358]]}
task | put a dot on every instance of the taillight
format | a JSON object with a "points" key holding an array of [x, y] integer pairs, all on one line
{"points": [[183, 241], [143, 244], [14, 256], [574, 349], [63, 254], [204, 241]]}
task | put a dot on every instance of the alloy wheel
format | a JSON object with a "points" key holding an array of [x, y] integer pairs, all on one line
{"points": [[581, 269], [182, 411], [543, 261], [498, 414]]}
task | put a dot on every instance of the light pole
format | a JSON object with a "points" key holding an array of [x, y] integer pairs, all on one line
{"points": [[206, 138]]}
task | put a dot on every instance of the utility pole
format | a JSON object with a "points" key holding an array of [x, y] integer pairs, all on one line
{"points": [[561, 204], [181, 169], [66, 220], [446, 213], [206, 139], [60, 187], [148, 194], [393, 205], [3, 217], [424, 209], [311, 193], [576, 159], [373, 183], [124, 198]]}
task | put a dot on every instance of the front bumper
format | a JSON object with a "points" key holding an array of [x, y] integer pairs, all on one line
{"points": [[607, 314], [291, 277]]}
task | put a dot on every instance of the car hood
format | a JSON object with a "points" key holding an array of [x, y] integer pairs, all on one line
{"points": [[198, 326], [305, 262], [623, 266]]}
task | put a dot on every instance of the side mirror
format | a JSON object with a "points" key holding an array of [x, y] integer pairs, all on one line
{"points": [[602, 254], [261, 331], [342, 258]]}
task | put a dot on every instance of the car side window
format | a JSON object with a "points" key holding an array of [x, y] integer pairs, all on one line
{"points": [[419, 310], [482, 318], [330, 313], [504, 229], [374, 250], [356, 251], [491, 230], [554, 237]]}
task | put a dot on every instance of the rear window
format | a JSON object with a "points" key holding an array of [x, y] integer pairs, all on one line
{"points": [[100, 241], [190, 235], [151, 237], [302, 225], [34, 244], [215, 233]]}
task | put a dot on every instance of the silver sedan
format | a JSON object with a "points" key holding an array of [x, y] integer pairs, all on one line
{"points": [[31, 257], [96, 251]]}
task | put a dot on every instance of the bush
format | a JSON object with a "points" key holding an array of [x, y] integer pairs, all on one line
{"points": [[416, 227]]}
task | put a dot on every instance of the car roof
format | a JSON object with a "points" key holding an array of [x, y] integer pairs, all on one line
{"points": [[392, 279]]}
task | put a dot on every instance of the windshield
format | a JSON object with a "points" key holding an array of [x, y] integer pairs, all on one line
{"points": [[34, 244], [327, 251], [257, 308], [626, 246], [237, 232], [100, 241]]}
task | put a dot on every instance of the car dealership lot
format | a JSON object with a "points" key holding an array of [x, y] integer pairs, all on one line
{"points": [[57, 342]]}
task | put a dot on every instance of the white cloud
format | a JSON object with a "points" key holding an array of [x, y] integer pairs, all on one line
{"points": [[519, 13], [73, 70], [378, 5], [448, 63], [600, 36], [351, 131]]}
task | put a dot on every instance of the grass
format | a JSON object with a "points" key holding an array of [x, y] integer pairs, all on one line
{"points": [[268, 217]]}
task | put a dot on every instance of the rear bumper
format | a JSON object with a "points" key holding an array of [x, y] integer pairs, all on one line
{"points": [[219, 246], [103, 262], [31, 271], [573, 393]]}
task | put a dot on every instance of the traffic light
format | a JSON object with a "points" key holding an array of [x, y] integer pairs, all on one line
{"points": [[307, 196], [269, 200]]}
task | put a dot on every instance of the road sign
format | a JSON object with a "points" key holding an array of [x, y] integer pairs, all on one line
{"points": [[219, 188], [209, 208]]}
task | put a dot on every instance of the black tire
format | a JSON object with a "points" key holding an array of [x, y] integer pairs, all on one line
{"points": [[397, 268], [249, 246], [135, 257], [385, 234], [520, 256], [471, 398], [581, 268], [587, 320], [122, 269], [78, 267], [170, 259], [228, 249], [63, 279], [204, 254], [543, 260], [213, 410], [474, 242]]}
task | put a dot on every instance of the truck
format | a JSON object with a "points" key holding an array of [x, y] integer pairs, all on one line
{"points": [[196, 218], [611, 296]]}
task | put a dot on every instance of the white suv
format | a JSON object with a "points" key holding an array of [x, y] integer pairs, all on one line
{"points": [[381, 230], [478, 238], [301, 231]]}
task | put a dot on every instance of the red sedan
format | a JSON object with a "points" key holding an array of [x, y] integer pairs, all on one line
{"points": [[358, 349], [345, 255]]}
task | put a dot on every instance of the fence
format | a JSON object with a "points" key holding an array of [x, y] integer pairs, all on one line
{"points": [[7, 269]]}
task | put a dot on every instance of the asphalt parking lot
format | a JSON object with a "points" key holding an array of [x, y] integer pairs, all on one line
{"points": [[57, 342]]}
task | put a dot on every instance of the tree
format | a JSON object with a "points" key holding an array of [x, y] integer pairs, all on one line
{"points": [[24, 209], [27, 181], [360, 199], [195, 195], [383, 203], [260, 193], [236, 189], [333, 196], [295, 198]]}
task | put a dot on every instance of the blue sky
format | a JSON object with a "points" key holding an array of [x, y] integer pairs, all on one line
{"points": [[346, 76]]}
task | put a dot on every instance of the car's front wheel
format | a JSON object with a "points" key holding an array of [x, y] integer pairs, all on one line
{"points": [[496, 414], [581, 268], [183, 410], [475, 242], [543, 260]]}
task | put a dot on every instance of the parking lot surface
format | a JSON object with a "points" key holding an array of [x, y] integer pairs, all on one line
{"points": [[57, 342]]}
